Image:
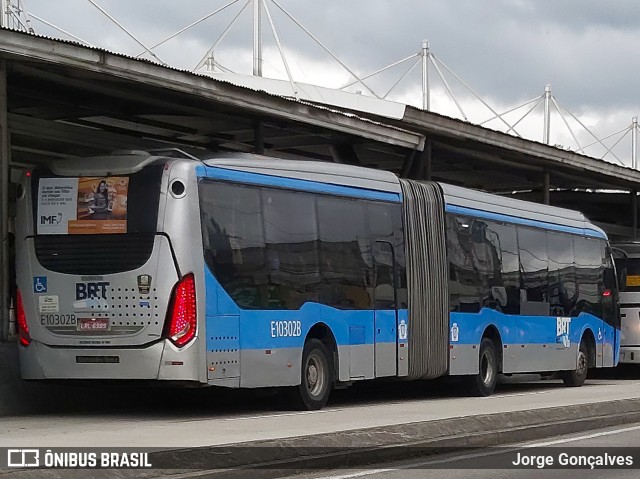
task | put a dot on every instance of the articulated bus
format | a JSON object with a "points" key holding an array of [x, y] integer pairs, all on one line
{"points": [[630, 302], [253, 272]]}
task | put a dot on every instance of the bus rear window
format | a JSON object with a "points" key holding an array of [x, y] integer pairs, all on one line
{"points": [[95, 225], [115, 204], [633, 274]]}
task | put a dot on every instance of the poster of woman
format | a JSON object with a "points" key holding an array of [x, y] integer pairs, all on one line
{"points": [[102, 206]]}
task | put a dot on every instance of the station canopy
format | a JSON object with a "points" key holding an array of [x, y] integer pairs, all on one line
{"points": [[67, 100]]}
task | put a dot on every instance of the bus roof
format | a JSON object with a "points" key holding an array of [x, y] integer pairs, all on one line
{"points": [[126, 162], [478, 200], [323, 172], [121, 162]]}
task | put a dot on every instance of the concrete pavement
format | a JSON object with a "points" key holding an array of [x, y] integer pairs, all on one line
{"points": [[369, 422]]}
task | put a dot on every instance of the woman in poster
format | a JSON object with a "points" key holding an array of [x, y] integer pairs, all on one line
{"points": [[99, 209]]}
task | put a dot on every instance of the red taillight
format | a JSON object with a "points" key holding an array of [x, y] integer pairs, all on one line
{"points": [[23, 328], [606, 293], [182, 314]]}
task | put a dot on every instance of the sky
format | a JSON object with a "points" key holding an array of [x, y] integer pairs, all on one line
{"points": [[504, 51]]}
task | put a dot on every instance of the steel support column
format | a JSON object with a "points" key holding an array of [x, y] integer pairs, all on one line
{"points": [[426, 94], [546, 134], [427, 164], [408, 164], [634, 143], [634, 212], [257, 38], [546, 187], [258, 138], [4, 205]]}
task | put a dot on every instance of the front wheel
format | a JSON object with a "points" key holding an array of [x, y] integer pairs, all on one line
{"points": [[316, 379], [576, 378], [484, 383]]}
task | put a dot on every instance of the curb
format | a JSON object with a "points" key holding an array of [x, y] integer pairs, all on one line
{"points": [[362, 447]]}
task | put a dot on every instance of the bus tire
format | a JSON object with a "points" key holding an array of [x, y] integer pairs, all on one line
{"points": [[576, 378], [484, 383], [316, 379]]}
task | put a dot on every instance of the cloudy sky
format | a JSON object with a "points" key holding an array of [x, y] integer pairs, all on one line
{"points": [[506, 51]]}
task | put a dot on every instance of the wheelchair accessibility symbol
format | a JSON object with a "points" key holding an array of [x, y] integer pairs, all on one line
{"points": [[39, 284]]}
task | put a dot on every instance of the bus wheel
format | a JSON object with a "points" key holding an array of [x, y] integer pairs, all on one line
{"points": [[577, 377], [484, 383], [317, 377]]}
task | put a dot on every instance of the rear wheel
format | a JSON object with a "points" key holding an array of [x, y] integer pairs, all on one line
{"points": [[316, 379], [484, 383], [577, 377]]}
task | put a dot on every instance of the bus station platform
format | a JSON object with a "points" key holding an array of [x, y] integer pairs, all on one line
{"points": [[375, 420]]}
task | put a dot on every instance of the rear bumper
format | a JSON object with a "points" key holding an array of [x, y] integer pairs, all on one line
{"points": [[159, 361], [629, 355]]}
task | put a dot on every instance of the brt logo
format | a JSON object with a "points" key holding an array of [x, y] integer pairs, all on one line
{"points": [[92, 290], [562, 326]]}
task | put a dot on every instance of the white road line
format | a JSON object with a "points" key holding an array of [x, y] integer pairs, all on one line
{"points": [[480, 454]]}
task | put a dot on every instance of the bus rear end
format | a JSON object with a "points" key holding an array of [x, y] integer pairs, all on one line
{"points": [[630, 303], [106, 291]]}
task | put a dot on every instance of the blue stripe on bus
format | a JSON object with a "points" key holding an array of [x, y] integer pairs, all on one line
{"points": [[201, 171], [358, 326], [523, 329], [295, 184], [230, 327], [463, 210], [258, 329]]}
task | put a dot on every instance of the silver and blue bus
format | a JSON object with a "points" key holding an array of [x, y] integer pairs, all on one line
{"points": [[244, 271]]}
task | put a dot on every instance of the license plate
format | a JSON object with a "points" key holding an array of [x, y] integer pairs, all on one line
{"points": [[93, 324]]}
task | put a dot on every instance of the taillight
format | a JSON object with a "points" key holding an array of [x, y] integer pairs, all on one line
{"points": [[23, 328], [182, 313]]}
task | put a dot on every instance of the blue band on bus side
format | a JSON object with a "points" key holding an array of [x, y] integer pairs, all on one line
{"points": [[463, 210], [525, 329], [295, 184]]}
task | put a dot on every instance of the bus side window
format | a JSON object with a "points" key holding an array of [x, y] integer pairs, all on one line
{"points": [[534, 271], [464, 290], [233, 240], [589, 275], [562, 275], [291, 242], [506, 291], [345, 254], [385, 224], [475, 273]]}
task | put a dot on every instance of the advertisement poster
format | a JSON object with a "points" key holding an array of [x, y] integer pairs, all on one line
{"points": [[83, 205], [57, 204]]}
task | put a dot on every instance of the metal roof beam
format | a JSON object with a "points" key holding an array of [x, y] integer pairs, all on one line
{"points": [[72, 134]]}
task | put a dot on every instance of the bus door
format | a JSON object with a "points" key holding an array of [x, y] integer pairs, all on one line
{"points": [[386, 312]]}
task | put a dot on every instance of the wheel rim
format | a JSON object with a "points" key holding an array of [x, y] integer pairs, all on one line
{"points": [[316, 375], [486, 369], [582, 363]]}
